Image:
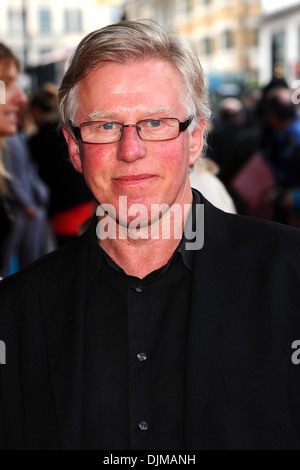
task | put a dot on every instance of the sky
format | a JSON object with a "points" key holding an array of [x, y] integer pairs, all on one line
{"points": [[272, 5]]}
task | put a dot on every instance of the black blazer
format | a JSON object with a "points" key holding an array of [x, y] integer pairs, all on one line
{"points": [[242, 388]]}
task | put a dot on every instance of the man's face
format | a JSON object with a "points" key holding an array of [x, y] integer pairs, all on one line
{"points": [[14, 98], [145, 172]]}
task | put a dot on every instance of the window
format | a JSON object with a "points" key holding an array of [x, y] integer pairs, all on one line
{"points": [[207, 46], [73, 21], [228, 39], [15, 21], [299, 43], [252, 38], [188, 6], [278, 51], [44, 50], [183, 7], [45, 21]]}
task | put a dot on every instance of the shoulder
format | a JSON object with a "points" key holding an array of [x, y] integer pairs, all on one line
{"points": [[46, 270], [268, 231], [257, 236]]}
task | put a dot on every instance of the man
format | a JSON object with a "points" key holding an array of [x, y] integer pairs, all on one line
{"points": [[135, 339]]}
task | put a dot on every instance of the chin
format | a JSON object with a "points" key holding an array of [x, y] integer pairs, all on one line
{"points": [[8, 132]]}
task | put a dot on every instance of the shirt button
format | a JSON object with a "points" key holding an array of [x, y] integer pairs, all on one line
{"points": [[143, 426], [139, 289], [141, 356]]}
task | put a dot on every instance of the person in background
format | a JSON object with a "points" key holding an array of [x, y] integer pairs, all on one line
{"points": [[24, 197], [282, 153], [229, 123], [71, 202], [27, 198], [12, 98], [204, 178], [128, 339], [5, 222]]}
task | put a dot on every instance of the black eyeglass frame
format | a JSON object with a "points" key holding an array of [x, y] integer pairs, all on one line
{"points": [[183, 125]]}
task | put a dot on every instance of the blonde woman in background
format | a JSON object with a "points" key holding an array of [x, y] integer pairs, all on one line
{"points": [[24, 195], [11, 100]]}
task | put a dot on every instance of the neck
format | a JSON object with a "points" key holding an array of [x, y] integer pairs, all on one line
{"points": [[140, 251], [140, 259]]}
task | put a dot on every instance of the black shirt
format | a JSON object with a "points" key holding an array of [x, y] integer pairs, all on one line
{"points": [[135, 354]]}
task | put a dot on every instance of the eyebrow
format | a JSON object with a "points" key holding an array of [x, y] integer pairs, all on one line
{"points": [[111, 115]]}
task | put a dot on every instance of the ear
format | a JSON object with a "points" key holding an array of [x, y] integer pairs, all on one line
{"points": [[196, 143], [74, 150]]}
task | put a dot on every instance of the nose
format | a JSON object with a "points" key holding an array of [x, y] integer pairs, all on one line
{"points": [[131, 147]]}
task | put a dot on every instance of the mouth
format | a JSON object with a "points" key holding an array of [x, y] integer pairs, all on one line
{"points": [[133, 179], [11, 116]]}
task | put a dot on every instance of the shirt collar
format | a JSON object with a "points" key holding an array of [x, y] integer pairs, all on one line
{"points": [[96, 253]]}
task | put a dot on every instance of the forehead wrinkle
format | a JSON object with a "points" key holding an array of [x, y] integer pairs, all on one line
{"points": [[113, 115]]}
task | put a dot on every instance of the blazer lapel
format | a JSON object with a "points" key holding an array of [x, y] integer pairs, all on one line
{"points": [[218, 270], [63, 307]]}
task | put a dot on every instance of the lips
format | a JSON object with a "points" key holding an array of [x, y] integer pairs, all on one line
{"points": [[133, 178], [12, 116]]}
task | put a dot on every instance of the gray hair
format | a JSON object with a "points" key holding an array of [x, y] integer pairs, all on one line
{"points": [[125, 42]]}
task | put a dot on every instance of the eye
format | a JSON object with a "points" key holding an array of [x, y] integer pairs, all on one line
{"points": [[155, 123], [108, 126]]}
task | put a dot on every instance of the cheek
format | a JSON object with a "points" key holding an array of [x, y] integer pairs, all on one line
{"points": [[6, 127], [95, 163], [2, 112], [175, 157]]}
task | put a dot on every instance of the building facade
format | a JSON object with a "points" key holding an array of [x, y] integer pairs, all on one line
{"points": [[45, 32], [238, 41], [224, 33], [279, 54]]}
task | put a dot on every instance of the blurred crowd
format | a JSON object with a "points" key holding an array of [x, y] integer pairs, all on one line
{"points": [[43, 200], [255, 142], [251, 166]]}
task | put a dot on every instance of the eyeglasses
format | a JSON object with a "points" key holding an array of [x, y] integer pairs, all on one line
{"points": [[108, 132]]}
